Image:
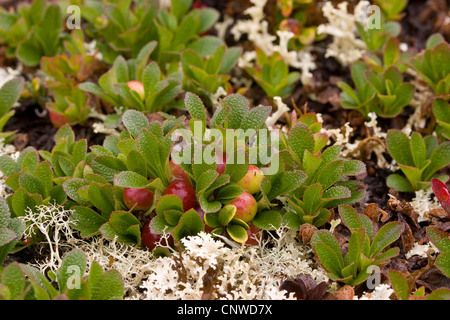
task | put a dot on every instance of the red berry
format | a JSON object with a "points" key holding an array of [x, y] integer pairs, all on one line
{"points": [[151, 239], [254, 235], [138, 87], [252, 179], [177, 171], [138, 198], [246, 206], [221, 163], [183, 190]]}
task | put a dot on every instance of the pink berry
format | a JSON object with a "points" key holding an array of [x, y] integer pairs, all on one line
{"points": [[138, 87], [254, 235], [177, 171], [151, 239], [221, 163], [183, 190], [138, 198], [246, 206], [252, 179]]}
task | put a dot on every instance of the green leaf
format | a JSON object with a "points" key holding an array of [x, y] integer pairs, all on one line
{"points": [[7, 165], [398, 145], [169, 202], [234, 168], [440, 158], [228, 193], [239, 106], [312, 198], [331, 174], [229, 61], [418, 149], [391, 52], [7, 236], [45, 175], [107, 166], [130, 179], [443, 262], [325, 237], [43, 289], [286, 182], [329, 258], [123, 225], [102, 197], [172, 216], [28, 53], [439, 238], [400, 284], [14, 278], [5, 214], [237, 233], [195, 107], [9, 93], [86, 220], [72, 186], [399, 183], [355, 248], [73, 265], [136, 163], [151, 77], [439, 294], [268, 219], [134, 121], [354, 167], [353, 220], [105, 285], [31, 184], [300, 139], [190, 224], [255, 118], [385, 236], [23, 200]]}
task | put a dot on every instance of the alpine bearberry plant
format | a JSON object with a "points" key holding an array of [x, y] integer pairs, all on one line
{"points": [[136, 83], [24, 282], [272, 74], [326, 182], [385, 94], [165, 149], [365, 247], [32, 31], [419, 159]]}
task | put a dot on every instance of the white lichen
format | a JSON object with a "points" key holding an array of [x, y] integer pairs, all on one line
{"points": [[9, 73], [380, 148], [346, 46], [207, 266], [204, 266], [381, 292], [99, 127], [282, 108], [421, 250], [341, 135], [256, 29], [422, 204], [52, 221]]}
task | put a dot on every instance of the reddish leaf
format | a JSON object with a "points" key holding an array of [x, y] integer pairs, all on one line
{"points": [[442, 194]]}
